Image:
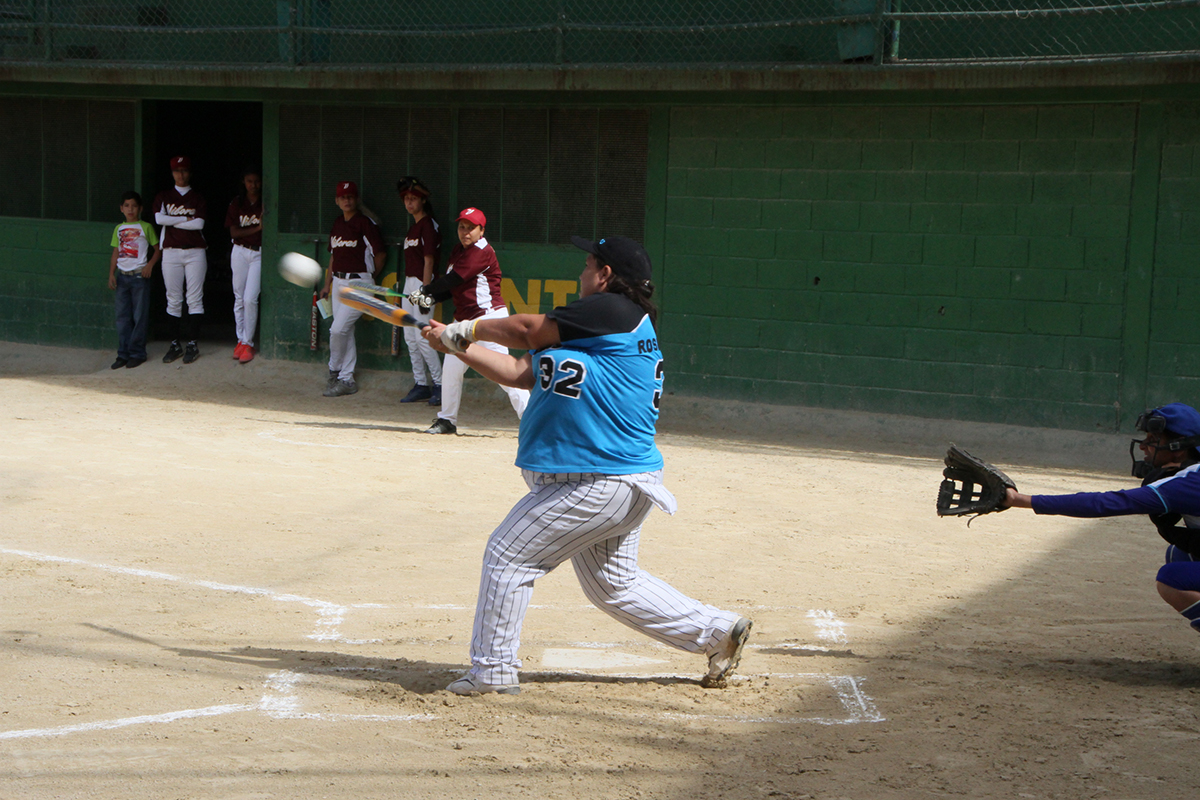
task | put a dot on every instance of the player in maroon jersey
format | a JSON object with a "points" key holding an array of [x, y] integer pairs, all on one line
{"points": [[244, 221], [181, 211], [422, 251], [357, 254], [473, 279]]}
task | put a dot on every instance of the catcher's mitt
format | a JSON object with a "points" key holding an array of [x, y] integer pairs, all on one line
{"points": [[971, 486]]}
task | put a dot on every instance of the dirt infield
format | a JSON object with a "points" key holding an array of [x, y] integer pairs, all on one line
{"points": [[217, 583]]}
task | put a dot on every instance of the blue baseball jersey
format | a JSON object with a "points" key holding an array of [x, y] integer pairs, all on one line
{"points": [[594, 403]]}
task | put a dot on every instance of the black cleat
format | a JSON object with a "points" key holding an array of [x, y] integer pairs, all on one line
{"points": [[191, 354], [442, 426], [173, 352], [416, 394]]}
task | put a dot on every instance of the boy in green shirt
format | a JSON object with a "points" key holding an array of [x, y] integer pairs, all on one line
{"points": [[135, 252]]}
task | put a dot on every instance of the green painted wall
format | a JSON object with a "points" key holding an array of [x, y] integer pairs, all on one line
{"points": [[960, 260], [983, 256]]}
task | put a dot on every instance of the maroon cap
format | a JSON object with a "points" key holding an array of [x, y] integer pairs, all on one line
{"points": [[181, 162], [473, 215], [347, 189]]}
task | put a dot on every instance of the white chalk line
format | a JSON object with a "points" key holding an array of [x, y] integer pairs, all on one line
{"points": [[331, 615], [279, 701]]}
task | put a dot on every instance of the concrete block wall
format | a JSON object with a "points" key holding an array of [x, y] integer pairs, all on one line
{"points": [[959, 261], [1173, 365]]}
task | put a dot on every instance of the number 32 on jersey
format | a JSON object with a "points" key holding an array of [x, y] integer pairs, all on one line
{"points": [[568, 377]]}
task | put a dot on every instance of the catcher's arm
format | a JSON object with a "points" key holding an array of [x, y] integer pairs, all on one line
{"points": [[1018, 500]]}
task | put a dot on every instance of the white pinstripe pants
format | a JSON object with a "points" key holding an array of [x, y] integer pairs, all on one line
{"points": [[593, 520]]}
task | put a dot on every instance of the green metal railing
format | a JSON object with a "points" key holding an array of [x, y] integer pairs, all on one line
{"points": [[374, 34]]}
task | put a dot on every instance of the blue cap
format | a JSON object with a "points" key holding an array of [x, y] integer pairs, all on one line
{"points": [[1182, 420]]}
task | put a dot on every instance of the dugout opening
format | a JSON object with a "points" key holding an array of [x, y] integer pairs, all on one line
{"points": [[221, 138]]}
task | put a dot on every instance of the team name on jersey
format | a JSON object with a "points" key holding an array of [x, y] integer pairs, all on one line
{"points": [[337, 241], [246, 220], [411, 243], [178, 211], [647, 346]]}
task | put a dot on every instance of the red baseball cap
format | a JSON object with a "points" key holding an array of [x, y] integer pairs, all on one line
{"points": [[347, 189], [473, 215], [180, 162]]}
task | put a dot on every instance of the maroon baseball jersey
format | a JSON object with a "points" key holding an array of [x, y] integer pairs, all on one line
{"points": [[354, 243], [423, 239], [245, 214], [479, 292], [192, 204]]}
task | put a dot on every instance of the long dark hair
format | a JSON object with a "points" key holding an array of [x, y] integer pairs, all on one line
{"points": [[638, 293]]}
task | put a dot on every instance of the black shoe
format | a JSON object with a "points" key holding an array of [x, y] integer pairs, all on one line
{"points": [[416, 394], [173, 352], [120, 362], [342, 388], [442, 426], [191, 354], [435, 397], [134, 362]]}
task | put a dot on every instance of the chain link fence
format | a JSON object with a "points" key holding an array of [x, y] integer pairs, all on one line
{"points": [[405, 34]]}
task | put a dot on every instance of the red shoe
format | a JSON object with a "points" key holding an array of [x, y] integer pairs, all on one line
{"points": [[247, 354], [237, 352]]}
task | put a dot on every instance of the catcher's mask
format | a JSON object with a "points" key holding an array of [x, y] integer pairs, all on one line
{"points": [[1178, 427]]}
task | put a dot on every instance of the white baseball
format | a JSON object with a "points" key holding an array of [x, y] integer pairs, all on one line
{"points": [[300, 269]]}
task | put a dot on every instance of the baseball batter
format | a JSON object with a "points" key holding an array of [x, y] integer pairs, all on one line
{"points": [[422, 249], [244, 221], [1170, 469], [588, 456], [180, 211], [357, 253], [473, 279]]}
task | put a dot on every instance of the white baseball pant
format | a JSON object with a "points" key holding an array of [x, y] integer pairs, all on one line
{"points": [[420, 352], [343, 352], [180, 266], [593, 520], [246, 265], [453, 370]]}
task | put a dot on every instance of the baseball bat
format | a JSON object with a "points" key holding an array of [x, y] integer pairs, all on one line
{"points": [[380, 309], [314, 320]]}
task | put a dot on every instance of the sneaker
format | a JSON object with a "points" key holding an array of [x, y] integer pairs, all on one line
{"points": [[247, 354], [134, 363], [468, 685], [722, 663], [341, 388], [435, 397], [191, 353], [416, 393], [173, 352], [333, 379], [442, 426], [237, 351], [120, 362]]}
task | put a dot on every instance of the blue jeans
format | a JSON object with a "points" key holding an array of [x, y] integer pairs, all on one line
{"points": [[133, 315]]}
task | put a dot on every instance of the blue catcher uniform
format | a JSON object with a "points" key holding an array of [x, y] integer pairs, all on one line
{"points": [[1169, 495], [588, 456]]}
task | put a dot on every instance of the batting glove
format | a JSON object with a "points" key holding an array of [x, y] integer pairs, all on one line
{"points": [[423, 301], [457, 336]]}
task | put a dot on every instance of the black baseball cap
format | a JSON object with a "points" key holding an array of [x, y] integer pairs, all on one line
{"points": [[627, 258]]}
